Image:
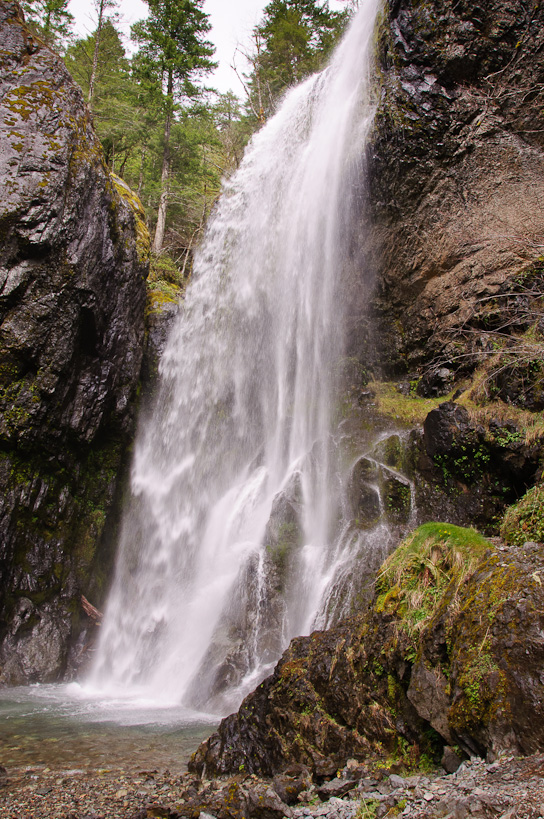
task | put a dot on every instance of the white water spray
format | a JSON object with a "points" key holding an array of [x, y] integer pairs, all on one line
{"points": [[228, 544]]}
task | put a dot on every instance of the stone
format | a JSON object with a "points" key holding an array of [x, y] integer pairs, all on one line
{"points": [[397, 781], [436, 383], [443, 427], [335, 787], [427, 693], [291, 782], [450, 760], [264, 803]]}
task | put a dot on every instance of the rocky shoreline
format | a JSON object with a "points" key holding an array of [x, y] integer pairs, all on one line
{"points": [[507, 788]]}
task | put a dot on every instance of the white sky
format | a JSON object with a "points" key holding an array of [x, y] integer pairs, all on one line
{"points": [[232, 22]]}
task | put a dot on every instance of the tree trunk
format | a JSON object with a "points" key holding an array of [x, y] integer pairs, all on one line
{"points": [[165, 175]]}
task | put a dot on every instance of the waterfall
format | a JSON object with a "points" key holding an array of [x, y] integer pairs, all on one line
{"points": [[229, 542]]}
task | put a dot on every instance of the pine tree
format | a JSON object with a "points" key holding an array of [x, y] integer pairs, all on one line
{"points": [[118, 114], [173, 49], [294, 39]]}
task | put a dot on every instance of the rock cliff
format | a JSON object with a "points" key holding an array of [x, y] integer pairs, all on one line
{"points": [[73, 262], [456, 182]]}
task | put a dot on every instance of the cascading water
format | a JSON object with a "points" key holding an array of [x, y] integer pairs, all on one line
{"points": [[228, 546]]}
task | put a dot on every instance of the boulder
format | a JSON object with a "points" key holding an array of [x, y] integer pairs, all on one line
{"points": [[291, 782], [458, 663]]}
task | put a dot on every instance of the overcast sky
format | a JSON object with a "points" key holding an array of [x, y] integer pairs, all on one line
{"points": [[232, 22]]}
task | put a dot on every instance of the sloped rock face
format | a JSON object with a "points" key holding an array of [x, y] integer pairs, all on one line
{"points": [[72, 293], [456, 181], [471, 676]]}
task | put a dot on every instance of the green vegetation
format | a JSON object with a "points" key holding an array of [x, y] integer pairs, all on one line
{"points": [[406, 409], [367, 809], [413, 580], [524, 520], [294, 39]]}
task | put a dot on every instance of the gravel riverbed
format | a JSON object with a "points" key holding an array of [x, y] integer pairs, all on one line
{"points": [[507, 789]]}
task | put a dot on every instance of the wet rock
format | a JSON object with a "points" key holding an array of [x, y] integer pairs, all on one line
{"points": [[450, 760], [73, 262], [3, 776], [35, 653], [159, 324], [284, 532], [397, 497]]}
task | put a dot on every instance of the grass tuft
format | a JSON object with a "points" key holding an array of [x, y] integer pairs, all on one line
{"points": [[413, 580]]}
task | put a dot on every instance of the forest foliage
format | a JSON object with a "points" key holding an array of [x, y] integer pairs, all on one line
{"points": [[164, 130]]}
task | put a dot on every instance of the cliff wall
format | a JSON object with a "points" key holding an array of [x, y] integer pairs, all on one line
{"points": [[73, 263], [456, 182]]}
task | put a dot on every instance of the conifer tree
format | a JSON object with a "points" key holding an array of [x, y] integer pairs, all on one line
{"points": [[174, 51], [294, 39]]}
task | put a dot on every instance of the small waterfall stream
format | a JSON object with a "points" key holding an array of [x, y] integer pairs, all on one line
{"points": [[234, 539]]}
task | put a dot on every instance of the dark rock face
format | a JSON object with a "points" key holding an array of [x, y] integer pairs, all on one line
{"points": [[467, 473], [72, 278], [456, 182], [471, 677]]}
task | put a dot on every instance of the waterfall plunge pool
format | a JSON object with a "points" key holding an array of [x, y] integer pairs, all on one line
{"points": [[65, 727]]}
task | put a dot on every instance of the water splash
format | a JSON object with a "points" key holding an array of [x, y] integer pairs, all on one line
{"points": [[228, 543]]}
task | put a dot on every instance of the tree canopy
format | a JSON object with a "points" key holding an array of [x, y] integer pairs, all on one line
{"points": [[293, 40], [168, 136]]}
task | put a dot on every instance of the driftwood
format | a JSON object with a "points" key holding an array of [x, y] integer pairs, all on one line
{"points": [[91, 611]]}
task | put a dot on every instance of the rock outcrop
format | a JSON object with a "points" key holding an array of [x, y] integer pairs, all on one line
{"points": [[456, 183], [73, 262], [449, 653]]}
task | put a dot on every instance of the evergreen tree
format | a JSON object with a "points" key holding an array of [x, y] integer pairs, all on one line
{"points": [[50, 19], [101, 7], [294, 39], [174, 51]]}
